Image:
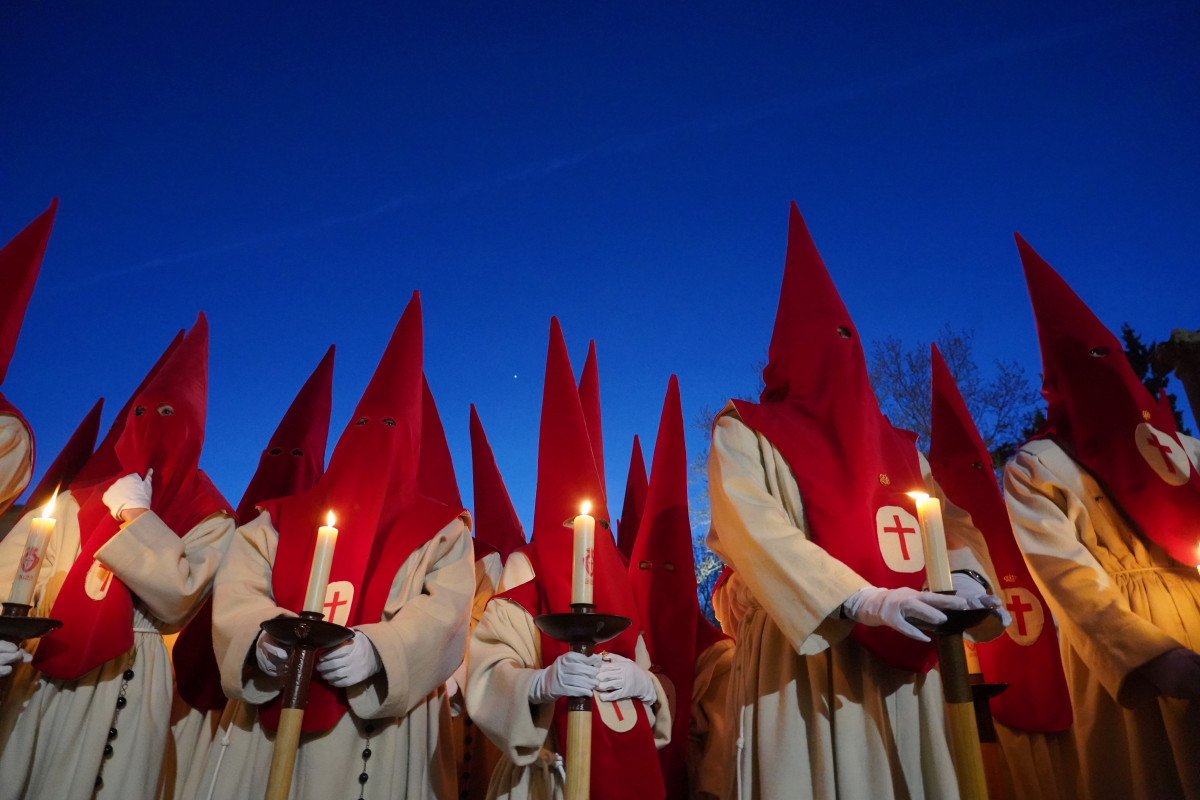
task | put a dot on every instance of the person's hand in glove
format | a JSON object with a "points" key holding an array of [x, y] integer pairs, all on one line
{"points": [[970, 589], [1175, 673], [11, 654], [128, 497], [873, 606], [620, 678], [571, 675], [350, 662], [272, 658]]}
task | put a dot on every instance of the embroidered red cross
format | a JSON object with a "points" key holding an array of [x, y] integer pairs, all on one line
{"points": [[333, 604], [900, 530], [1162, 448], [1018, 609]]}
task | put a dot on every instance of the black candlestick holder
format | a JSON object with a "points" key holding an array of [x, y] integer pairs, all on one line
{"points": [[303, 636], [582, 629], [16, 625]]}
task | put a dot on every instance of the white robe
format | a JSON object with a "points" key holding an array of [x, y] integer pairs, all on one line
{"points": [[815, 714], [53, 733], [401, 714], [475, 755], [1119, 601], [505, 655]]}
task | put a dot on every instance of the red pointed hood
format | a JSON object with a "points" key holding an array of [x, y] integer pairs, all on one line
{"points": [[497, 526], [70, 460], [636, 486], [1026, 657], [103, 464], [1104, 418], [295, 454], [164, 431], [589, 398], [20, 262], [853, 468], [371, 485], [566, 478], [437, 480], [663, 575]]}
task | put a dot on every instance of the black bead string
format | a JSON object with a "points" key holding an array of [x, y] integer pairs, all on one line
{"points": [[126, 677], [363, 777]]}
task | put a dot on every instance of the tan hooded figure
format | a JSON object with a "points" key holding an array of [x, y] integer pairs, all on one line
{"points": [[376, 722], [137, 541], [1105, 503], [810, 510]]}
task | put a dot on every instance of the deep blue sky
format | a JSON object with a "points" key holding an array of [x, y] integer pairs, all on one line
{"points": [[296, 170]]}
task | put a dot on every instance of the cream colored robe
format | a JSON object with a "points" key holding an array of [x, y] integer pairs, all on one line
{"points": [[401, 713], [1120, 601], [53, 733], [709, 733], [16, 460], [816, 715], [475, 755], [192, 734], [504, 657]]}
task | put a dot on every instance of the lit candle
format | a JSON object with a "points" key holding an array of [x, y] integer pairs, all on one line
{"points": [[933, 539], [30, 565], [581, 560], [318, 577]]}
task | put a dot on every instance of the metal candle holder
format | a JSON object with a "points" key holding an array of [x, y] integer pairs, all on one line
{"points": [[581, 629], [305, 635], [16, 625]]}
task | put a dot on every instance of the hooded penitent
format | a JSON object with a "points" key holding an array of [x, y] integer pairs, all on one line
{"points": [[70, 459], [291, 463], [852, 467], [1027, 656], [663, 575], [164, 432], [497, 527], [636, 486], [624, 764], [371, 486], [1104, 418], [20, 262]]}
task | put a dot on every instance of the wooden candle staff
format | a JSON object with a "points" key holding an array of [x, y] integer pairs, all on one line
{"points": [[952, 661]]}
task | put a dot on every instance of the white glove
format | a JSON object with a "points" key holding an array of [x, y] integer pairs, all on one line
{"points": [[620, 678], [976, 596], [12, 654], [350, 662], [271, 657], [874, 605], [129, 492], [571, 675]]}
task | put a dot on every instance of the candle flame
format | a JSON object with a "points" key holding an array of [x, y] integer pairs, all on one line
{"points": [[585, 508], [918, 496], [50, 505], [329, 518]]}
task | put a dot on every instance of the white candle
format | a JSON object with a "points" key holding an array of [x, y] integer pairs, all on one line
{"points": [[933, 539], [581, 560], [318, 576], [30, 565]]}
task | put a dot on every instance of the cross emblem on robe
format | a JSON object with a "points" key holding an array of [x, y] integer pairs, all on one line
{"points": [[899, 529]]}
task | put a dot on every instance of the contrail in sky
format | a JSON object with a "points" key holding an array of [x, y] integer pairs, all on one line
{"points": [[640, 142]]}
